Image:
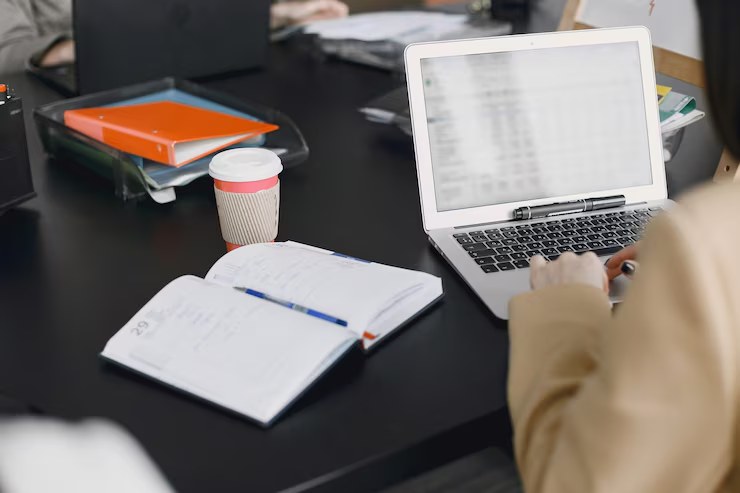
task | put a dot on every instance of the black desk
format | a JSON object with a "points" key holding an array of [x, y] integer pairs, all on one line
{"points": [[75, 264]]}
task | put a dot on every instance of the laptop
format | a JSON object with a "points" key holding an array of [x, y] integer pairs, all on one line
{"points": [[561, 130], [119, 43]]}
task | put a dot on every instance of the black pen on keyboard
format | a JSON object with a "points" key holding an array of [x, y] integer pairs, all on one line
{"points": [[583, 205]]}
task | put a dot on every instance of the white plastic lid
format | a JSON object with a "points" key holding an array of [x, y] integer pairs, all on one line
{"points": [[245, 165]]}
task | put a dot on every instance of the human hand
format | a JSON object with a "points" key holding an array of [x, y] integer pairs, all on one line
{"points": [[568, 269], [623, 262], [298, 13], [60, 54]]}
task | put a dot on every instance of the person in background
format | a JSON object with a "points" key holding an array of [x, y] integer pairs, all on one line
{"points": [[40, 31], [645, 398]]}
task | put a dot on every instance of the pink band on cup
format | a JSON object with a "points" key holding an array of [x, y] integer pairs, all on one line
{"points": [[246, 186]]}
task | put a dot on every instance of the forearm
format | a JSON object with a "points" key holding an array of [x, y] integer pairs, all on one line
{"points": [[553, 335], [16, 53]]}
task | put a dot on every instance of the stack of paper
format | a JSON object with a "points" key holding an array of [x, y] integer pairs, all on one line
{"points": [[677, 110], [378, 39]]}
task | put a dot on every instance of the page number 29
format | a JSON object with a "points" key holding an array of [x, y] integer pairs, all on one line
{"points": [[139, 328]]}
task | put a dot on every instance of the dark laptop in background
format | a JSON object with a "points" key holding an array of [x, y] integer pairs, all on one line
{"points": [[120, 43]]}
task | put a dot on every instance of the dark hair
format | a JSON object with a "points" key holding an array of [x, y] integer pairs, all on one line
{"points": [[720, 26]]}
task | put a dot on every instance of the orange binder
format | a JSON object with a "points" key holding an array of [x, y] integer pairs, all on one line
{"points": [[165, 132]]}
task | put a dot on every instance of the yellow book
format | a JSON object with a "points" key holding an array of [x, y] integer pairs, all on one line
{"points": [[663, 91]]}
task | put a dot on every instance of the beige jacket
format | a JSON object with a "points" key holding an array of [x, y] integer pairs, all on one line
{"points": [[644, 399]]}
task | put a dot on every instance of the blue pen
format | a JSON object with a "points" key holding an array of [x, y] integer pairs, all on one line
{"points": [[293, 306]]}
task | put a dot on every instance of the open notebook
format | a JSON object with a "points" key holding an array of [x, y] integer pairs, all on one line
{"points": [[256, 353]]}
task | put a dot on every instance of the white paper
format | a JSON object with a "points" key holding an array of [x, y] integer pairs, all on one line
{"points": [[387, 26], [352, 290], [238, 351], [674, 24]]}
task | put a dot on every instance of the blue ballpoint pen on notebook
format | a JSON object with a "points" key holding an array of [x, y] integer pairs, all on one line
{"points": [[293, 306]]}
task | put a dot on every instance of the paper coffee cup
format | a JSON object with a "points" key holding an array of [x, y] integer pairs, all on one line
{"points": [[247, 195]]}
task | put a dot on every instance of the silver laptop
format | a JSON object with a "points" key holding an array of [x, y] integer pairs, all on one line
{"points": [[535, 144]]}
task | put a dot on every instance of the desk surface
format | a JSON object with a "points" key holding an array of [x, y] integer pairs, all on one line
{"points": [[75, 264]]}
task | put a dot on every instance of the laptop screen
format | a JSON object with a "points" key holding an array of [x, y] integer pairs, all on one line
{"points": [[535, 124]]}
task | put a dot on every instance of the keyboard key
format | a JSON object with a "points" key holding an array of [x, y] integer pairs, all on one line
{"points": [[554, 236], [522, 226], [510, 234], [473, 247], [625, 240], [505, 266], [484, 261], [595, 236], [635, 239], [510, 242], [540, 230], [520, 248], [526, 232], [550, 243], [565, 248], [612, 227], [534, 246], [502, 258], [480, 238], [476, 233], [489, 269], [482, 253], [595, 244], [494, 243], [610, 242], [508, 228], [609, 234], [569, 226], [583, 231], [503, 250], [460, 235], [622, 232], [565, 241], [601, 252], [569, 233], [521, 264], [553, 258], [519, 256], [598, 222], [580, 239], [580, 247], [537, 237], [598, 229], [494, 234], [525, 239], [568, 220], [533, 253], [550, 251], [655, 209], [612, 214], [491, 231], [554, 229], [465, 241]]}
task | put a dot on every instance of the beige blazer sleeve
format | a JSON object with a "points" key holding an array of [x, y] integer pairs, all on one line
{"points": [[639, 401]]}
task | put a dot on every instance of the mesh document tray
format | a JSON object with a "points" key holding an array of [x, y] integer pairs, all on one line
{"points": [[134, 178]]}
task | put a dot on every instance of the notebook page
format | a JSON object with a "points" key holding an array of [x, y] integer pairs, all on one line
{"points": [[352, 290], [235, 350]]}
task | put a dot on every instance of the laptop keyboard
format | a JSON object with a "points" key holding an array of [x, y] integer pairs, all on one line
{"points": [[510, 248]]}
